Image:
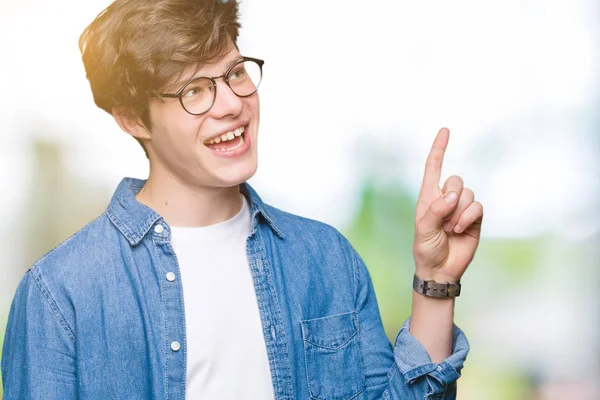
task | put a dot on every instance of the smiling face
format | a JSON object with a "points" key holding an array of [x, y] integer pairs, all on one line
{"points": [[184, 147]]}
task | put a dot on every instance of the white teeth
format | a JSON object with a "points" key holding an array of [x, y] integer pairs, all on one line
{"points": [[227, 136], [240, 144]]}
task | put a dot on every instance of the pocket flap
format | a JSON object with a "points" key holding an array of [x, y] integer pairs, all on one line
{"points": [[331, 331]]}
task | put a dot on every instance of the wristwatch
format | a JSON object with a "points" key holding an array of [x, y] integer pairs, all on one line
{"points": [[436, 289]]}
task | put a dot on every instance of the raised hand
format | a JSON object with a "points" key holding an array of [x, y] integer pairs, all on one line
{"points": [[447, 221]]}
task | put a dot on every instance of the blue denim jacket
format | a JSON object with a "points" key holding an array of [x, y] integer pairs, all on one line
{"points": [[97, 318]]}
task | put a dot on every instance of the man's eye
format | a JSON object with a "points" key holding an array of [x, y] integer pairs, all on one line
{"points": [[237, 74], [190, 93], [196, 91]]}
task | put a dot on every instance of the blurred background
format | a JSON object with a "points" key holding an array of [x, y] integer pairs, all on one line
{"points": [[353, 96]]}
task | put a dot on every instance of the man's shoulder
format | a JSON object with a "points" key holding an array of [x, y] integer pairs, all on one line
{"points": [[59, 274], [91, 242]]}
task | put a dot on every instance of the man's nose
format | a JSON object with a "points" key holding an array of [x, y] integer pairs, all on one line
{"points": [[226, 102]]}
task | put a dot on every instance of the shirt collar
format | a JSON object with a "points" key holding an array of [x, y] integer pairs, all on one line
{"points": [[134, 219], [261, 209]]}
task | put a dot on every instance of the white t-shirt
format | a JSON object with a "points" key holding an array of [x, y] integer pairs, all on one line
{"points": [[226, 352]]}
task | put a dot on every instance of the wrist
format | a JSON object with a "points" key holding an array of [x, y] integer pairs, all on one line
{"points": [[429, 274]]}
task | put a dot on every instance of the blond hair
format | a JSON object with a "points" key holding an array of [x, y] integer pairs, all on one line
{"points": [[135, 47]]}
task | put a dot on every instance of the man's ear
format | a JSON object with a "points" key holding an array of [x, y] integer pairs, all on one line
{"points": [[131, 124]]}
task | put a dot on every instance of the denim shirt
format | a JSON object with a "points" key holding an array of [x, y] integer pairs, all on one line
{"points": [[101, 317]]}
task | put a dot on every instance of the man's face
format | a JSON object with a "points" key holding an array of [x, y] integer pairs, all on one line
{"points": [[178, 147]]}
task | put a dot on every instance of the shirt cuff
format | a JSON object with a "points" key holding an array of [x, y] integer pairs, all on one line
{"points": [[414, 361]]}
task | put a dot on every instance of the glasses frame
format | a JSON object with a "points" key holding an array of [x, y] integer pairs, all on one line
{"points": [[178, 94]]}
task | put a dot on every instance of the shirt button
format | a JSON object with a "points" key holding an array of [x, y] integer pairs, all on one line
{"points": [[273, 333], [170, 276], [439, 368], [175, 346], [159, 228]]}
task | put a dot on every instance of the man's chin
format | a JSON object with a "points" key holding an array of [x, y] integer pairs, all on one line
{"points": [[239, 176]]}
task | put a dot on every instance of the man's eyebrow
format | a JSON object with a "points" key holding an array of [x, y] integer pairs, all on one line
{"points": [[234, 61], [182, 81]]}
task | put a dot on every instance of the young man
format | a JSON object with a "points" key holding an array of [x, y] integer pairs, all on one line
{"points": [[189, 286]]}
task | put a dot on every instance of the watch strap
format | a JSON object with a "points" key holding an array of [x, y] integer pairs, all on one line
{"points": [[436, 289]]}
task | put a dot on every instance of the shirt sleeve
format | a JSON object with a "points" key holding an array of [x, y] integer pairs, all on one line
{"points": [[38, 356], [403, 371], [415, 365]]}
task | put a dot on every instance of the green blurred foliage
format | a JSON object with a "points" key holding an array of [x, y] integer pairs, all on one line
{"points": [[487, 383], [515, 258], [59, 203]]}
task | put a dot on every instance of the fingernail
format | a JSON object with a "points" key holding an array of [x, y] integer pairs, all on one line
{"points": [[451, 197], [457, 228], [447, 226]]}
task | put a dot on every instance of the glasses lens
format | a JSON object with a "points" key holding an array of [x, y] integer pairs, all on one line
{"points": [[244, 78], [198, 96]]}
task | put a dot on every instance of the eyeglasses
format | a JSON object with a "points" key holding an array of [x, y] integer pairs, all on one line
{"points": [[198, 95]]}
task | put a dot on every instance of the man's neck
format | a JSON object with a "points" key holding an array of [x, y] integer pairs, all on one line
{"points": [[182, 205]]}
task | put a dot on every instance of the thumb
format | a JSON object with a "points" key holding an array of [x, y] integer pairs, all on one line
{"points": [[437, 213]]}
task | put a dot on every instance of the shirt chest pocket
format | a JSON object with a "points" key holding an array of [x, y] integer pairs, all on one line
{"points": [[332, 355]]}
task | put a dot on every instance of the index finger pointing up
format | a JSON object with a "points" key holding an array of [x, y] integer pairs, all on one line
{"points": [[433, 166]]}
